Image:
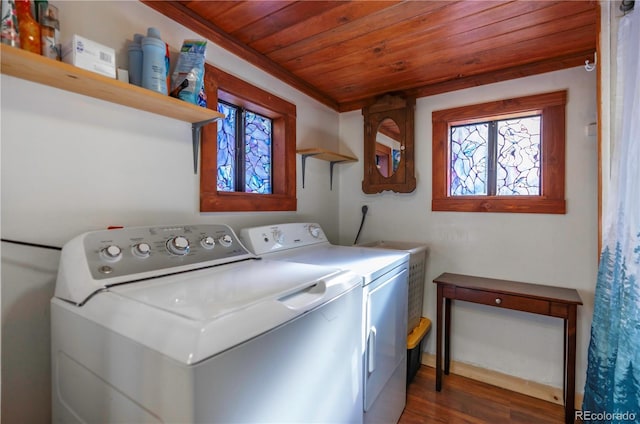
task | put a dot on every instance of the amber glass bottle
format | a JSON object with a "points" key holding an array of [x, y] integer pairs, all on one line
{"points": [[28, 28]]}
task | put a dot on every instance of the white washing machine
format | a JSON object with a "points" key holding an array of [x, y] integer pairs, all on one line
{"points": [[385, 281], [183, 325]]}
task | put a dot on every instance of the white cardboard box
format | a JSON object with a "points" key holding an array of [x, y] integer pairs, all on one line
{"points": [[89, 55]]}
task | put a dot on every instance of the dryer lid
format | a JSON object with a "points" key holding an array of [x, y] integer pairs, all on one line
{"points": [[305, 242], [368, 262]]}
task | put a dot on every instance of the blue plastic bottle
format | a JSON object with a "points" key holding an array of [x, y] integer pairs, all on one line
{"points": [[135, 60], [154, 71]]}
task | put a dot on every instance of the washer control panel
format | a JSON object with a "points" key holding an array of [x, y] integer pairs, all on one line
{"points": [[136, 250]]}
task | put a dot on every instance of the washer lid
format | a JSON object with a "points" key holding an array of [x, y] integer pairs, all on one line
{"points": [[206, 295], [195, 315]]}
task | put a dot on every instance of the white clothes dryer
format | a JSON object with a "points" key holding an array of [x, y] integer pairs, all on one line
{"points": [[384, 276], [183, 324]]}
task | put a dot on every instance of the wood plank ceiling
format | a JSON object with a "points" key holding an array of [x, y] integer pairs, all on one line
{"points": [[345, 53]]}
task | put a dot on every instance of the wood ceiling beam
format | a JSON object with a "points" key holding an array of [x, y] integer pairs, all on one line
{"points": [[184, 16]]}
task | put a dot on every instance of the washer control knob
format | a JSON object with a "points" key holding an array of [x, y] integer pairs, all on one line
{"points": [[225, 240], [178, 245], [208, 242], [142, 250], [112, 252], [314, 230]]}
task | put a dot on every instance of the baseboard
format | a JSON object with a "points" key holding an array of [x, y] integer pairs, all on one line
{"points": [[505, 381]]}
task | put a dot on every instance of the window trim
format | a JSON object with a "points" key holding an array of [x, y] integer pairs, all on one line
{"points": [[552, 185], [219, 84]]}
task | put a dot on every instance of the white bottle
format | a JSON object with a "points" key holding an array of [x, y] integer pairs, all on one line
{"points": [[135, 60], [154, 70]]}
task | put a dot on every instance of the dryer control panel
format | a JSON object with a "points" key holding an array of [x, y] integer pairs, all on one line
{"points": [[275, 238]]}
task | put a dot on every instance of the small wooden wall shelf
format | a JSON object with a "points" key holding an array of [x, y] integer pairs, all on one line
{"points": [[323, 154], [32, 67]]}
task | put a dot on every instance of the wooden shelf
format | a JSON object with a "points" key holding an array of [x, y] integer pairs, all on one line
{"points": [[32, 67], [323, 154], [327, 155]]}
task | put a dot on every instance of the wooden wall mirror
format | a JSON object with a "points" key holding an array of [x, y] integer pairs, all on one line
{"points": [[388, 145]]}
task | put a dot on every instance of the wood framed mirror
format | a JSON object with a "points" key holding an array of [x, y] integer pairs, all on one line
{"points": [[388, 145]]}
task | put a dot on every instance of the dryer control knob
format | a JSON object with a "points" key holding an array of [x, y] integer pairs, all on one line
{"points": [[314, 230], [208, 242], [112, 252], [278, 236], [178, 245], [225, 240]]}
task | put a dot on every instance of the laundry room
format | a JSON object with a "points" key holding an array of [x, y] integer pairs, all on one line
{"points": [[74, 163]]}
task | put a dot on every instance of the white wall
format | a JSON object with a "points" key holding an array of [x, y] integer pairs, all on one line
{"points": [[28, 277], [556, 250], [71, 164]]}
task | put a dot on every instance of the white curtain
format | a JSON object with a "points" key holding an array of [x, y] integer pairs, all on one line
{"points": [[612, 389]]}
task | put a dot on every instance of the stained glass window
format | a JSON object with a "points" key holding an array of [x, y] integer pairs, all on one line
{"points": [[396, 155], [227, 147], [502, 156], [271, 151], [257, 156], [496, 158], [469, 148], [244, 151], [518, 157]]}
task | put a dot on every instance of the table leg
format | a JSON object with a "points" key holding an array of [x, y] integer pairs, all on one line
{"points": [[570, 365], [439, 339], [564, 359], [447, 334]]}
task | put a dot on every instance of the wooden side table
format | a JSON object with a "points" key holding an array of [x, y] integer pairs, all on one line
{"points": [[534, 298]]}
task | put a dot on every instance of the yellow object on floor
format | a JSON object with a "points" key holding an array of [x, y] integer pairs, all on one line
{"points": [[418, 333]]}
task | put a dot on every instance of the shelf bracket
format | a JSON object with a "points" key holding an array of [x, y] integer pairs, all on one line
{"points": [[331, 164], [331, 172], [196, 128], [304, 162]]}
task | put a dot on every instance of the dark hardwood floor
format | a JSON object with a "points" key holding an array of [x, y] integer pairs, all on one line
{"points": [[463, 400]]}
